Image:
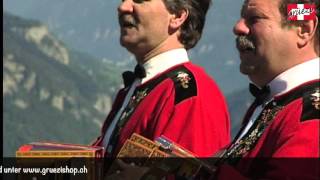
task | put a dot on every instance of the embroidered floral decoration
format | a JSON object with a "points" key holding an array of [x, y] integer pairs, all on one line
{"points": [[184, 79], [315, 98], [133, 103], [245, 144]]}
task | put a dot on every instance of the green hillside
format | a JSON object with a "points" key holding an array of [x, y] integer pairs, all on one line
{"points": [[49, 91]]}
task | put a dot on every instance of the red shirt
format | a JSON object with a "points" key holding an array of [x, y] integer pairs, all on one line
{"points": [[183, 104], [289, 146]]}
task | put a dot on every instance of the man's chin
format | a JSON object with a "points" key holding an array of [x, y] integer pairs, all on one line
{"points": [[246, 54], [130, 46], [125, 42], [247, 69]]}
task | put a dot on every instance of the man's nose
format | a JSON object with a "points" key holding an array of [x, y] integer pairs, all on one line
{"points": [[125, 6], [241, 28]]}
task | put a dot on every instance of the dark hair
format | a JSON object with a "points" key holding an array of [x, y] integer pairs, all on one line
{"points": [[284, 14], [192, 28]]}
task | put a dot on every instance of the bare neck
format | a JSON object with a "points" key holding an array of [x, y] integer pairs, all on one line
{"points": [[268, 74], [167, 45]]}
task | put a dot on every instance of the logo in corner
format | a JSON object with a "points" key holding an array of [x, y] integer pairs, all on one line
{"points": [[298, 12]]}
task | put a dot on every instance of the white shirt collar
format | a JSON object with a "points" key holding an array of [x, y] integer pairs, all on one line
{"points": [[164, 61], [286, 81], [295, 76]]}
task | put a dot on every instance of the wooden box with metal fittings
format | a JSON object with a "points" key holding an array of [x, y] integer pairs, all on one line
{"points": [[163, 157], [56, 161]]}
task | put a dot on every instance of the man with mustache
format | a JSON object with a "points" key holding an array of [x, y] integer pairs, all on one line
{"points": [[279, 138], [167, 94]]}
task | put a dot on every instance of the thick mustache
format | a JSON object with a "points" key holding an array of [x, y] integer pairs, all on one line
{"points": [[127, 19], [245, 43]]}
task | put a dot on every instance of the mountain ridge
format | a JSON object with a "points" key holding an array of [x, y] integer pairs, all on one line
{"points": [[92, 27], [66, 88], [46, 97]]}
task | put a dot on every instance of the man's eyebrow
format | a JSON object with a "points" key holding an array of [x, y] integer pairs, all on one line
{"points": [[246, 10]]}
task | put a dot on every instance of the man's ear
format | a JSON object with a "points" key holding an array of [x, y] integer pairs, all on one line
{"points": [[178, 19], [307, 31]]}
